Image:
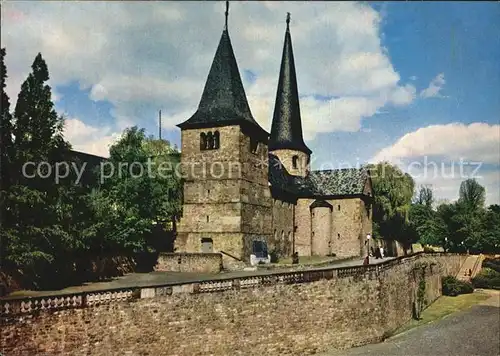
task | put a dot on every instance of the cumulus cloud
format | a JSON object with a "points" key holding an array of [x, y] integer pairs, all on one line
{"points": [[444, 155], [455, 141], [89, 139], [434, 88], [157, 54]]}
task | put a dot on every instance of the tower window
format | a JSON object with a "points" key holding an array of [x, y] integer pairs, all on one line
{"points": [[294, 161], [209, 141], [338, 207], [203, 141], [216, 140], [254, 145], [208, 218]]}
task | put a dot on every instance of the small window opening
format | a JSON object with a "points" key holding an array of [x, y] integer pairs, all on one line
{"points": [[295, 161], [254, 145]]}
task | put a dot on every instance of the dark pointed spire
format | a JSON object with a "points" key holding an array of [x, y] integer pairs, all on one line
{"points": [[223, 101], [286, 130]]}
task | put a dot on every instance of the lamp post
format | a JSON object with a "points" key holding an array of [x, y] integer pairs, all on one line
{"points": [[368, 238], [445, 243]]}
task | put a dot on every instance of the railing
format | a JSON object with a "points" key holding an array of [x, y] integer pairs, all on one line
{"points": [[14, 306]]}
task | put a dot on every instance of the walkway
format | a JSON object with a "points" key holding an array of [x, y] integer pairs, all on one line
{"points": [[470, 264], [471, 332], [160, 278]]}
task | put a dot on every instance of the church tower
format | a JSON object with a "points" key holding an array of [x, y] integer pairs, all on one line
{"points": [[286, 141], [227, 204]]}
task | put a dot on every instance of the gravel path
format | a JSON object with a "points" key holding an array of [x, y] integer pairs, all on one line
{"points": [[472, 332]]}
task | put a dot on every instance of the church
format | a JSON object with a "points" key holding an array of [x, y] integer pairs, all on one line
{"points": [[245, 187]]}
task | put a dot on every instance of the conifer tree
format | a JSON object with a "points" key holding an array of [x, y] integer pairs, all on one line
{"points": [[6, 152]]}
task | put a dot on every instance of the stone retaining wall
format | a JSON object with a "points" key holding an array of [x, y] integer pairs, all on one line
{"points": [[189, 262], [292, 313]]}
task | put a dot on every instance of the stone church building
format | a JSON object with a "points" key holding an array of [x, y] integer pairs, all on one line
{"points": [[242, 184]]}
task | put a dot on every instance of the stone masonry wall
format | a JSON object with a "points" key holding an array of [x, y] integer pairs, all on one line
{"points": [[347, 227], [338, 310], [285, 156], [189, 262], [282, 227]]}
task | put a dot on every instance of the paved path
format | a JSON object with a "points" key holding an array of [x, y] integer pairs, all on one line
{"points": [[472, 332], [162, 278]]}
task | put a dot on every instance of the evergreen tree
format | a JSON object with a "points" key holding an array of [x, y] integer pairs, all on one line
{"points": [[39, 238], [6, 152]]}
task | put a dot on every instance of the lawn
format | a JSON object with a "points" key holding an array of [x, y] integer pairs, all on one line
{"points": [[444, 306]]}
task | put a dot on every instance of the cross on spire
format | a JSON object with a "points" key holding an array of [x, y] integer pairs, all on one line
{"points": [[226, 14]]}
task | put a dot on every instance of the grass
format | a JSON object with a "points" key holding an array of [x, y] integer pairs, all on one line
{"points": [[445, 306]]}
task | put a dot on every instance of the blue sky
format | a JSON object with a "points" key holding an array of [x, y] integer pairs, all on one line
{"points": [[398, 81]]}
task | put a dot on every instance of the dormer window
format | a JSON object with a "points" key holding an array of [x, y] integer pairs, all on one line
{"points": [[254, 146], [295, 159], [209, 140]]}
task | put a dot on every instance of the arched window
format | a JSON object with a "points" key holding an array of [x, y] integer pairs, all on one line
{"points": [[210, 141], [203, 141], [338, 207], [216, 140], [295, 159]]}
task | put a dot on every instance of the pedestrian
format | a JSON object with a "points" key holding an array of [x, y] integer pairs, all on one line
{"points": [[381, 252], [366, 261]]}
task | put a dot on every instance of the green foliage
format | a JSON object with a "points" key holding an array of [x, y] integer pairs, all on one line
{"points": [[47, 226], [393, 191], [487, 278], [453, 287], [143, 190], [492, 263]]}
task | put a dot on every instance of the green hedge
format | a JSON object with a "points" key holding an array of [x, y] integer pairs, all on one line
{"points": [[488, 278], [453, 287], [492, 263]]}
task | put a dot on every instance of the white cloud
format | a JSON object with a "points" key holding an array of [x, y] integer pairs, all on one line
{"points": [[445, 155], [157, 54], [455, 141], [434, 88], [90, 139]]}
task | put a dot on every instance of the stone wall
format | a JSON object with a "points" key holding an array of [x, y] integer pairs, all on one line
{"points": [[286, 156], [283, 220], [226, 193], [295, 313], [189, 262], [351, 221]]}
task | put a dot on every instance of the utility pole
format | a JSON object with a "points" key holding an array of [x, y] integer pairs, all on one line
{"points": [[159, 125]]}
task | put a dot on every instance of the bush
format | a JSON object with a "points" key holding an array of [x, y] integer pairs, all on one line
{"points": [[428, 249], [488, 278], [492, 263], [453, 287]]}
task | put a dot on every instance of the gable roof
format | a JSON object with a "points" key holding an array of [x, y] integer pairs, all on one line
{"points": [[338, 182], [346, 181]]}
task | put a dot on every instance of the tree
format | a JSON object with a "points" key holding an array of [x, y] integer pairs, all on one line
{"points": [[6, 152], [38, 237], [393, 190], [142, 189], [423, 219], [471, 195]]}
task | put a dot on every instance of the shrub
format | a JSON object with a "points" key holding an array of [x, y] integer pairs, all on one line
{"points": [[492, 263], [453, 287], [488, 278], [428, 249]]}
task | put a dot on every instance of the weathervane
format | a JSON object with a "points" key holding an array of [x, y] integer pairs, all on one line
{"points": [[287, 20]]}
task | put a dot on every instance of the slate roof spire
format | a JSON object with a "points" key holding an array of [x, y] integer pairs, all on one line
{"points": [[223, 101], [286, 130]]}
